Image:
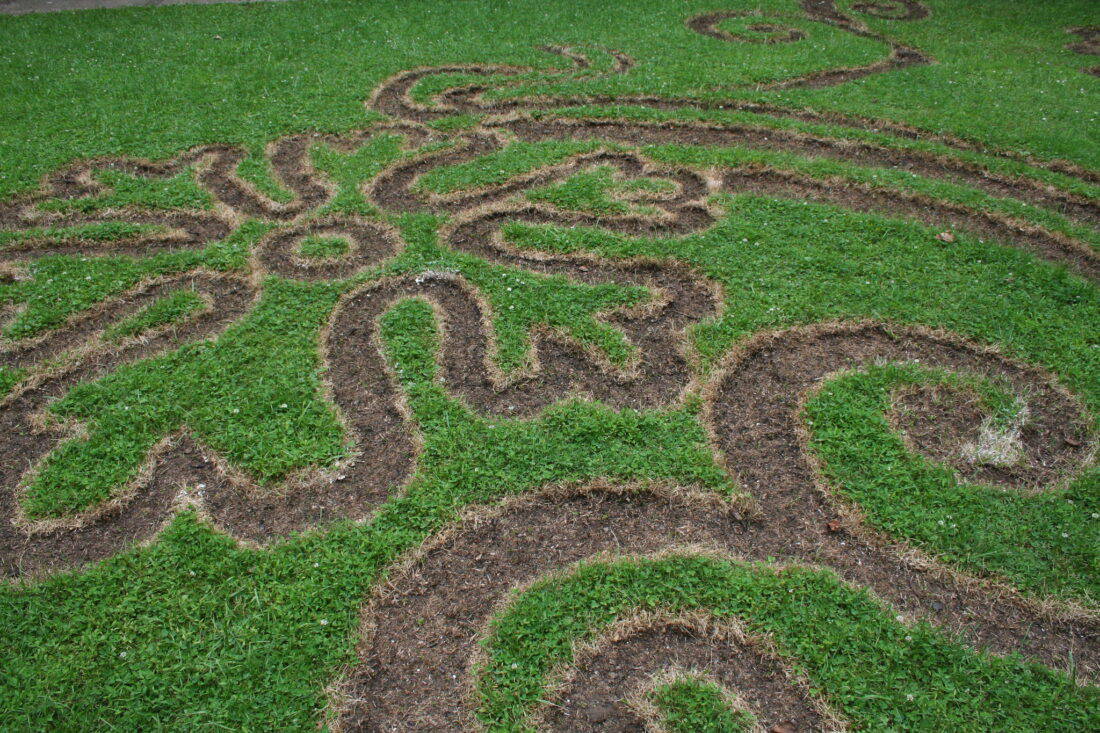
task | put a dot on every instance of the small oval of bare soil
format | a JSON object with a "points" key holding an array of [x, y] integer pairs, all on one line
{"points": [[1026, 450]]}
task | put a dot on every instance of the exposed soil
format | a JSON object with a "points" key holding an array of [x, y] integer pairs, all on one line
{"points": [[754, 406], [25, 439], [361, 385], [419, 634], [396, 188], [863, 153], [394, 97], [182, 230], [362, 388], [621, 665], [421, 628], [1090, 40], [370, 244], [707, 24], [893, 9], [941, 423], [753, 411], [826, 11], [1089, 44], [216, 172]]}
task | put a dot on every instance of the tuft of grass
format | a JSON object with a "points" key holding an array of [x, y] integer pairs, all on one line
{"points": [[103, 232], [323, 248], [172, 308], [597, 192], [257, 170], [697, 705], [350, 170], [61, 286], [455, 123], [10, 377], [483, 458], [178, 192]]}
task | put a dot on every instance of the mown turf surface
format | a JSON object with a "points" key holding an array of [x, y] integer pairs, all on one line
{"points": [[867, 569]]}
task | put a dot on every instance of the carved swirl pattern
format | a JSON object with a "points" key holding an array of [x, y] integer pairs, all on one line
{"points": [[752, 404]]}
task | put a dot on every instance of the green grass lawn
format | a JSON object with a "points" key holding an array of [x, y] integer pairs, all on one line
{"points": [[195, 627]]}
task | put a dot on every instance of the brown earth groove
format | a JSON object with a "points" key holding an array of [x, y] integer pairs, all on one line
{"points": [[509, 114], [762, 138], [621, 666], [370, 244], [893, 9], [938, 421], [421, 626], [396, 189], [215, 166], [1090, 40], [86, 328], [707, 25], [393, 98], [385, 448], [753, 410], [25, 437], [753, 406], [185, 230], [564, 368], [367, 397]]}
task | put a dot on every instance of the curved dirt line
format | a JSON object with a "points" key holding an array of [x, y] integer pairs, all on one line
{"points": [[25, 438], [1088, 45], [608, 682], [893, 9], [369, 244], [394, 97], [421, 626], [753, 411], [922, 163], [396, 189]]}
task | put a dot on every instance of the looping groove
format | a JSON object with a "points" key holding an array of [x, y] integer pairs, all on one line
{"points": [[754, 404], [613, 675], [893, 9], [30, 546], [369, 243], [708, 25], [752, 407], [421, 662]]}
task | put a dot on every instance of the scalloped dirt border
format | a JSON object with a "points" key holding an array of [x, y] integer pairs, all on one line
{"points": [[422, 623]]}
